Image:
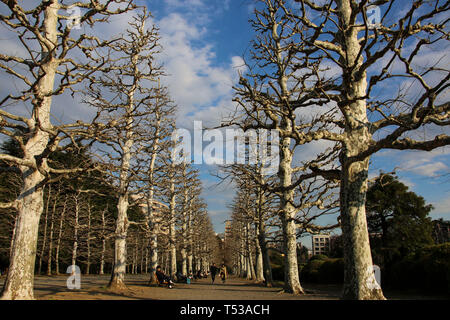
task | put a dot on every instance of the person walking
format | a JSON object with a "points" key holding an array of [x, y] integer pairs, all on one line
{"points": [[213, 270], [223, 273]]}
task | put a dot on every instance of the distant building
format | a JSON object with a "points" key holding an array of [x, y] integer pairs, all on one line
{"points": [[320, 244]]}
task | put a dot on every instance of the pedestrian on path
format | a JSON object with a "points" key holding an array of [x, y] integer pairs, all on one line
{"points": [[214, 270], [223, 273]]}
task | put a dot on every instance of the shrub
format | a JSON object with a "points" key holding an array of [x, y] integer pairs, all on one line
{"points": [[318, 257], [427, 270], [332, 271], [323, 270], [278, 272]]}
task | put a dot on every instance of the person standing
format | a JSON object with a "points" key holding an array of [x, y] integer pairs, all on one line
{"points": [[213, 270], [223, 273]]}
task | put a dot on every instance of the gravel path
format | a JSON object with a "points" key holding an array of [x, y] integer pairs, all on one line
{"points": [[93, 287]]}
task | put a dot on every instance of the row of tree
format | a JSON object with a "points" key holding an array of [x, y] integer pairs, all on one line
{"points": [[328, 78], [103, 191]]}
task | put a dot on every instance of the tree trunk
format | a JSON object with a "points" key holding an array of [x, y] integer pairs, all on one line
{"points": [[292, 282], [44, 240], [172, 234], [359, 278], [151, 219], [50, 237], [250, 266], [267, 269], [190, 245], [153, 256], [58, 242], [146, 257], [143, 249], [20, 278], [117, 281], [75, 232], [88, 240], [259, 257], [102, 255], [183, 251], [11, 243]]}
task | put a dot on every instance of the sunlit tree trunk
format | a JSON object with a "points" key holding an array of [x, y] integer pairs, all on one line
{"points": [[292, 282], [58, 242], [20, 278], [44, 240], [172, 234], [359, 278], [50, 237], [102, 254], [75, 231]]}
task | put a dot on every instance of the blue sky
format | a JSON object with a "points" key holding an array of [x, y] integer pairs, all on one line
{"points": [[203, 45], [204, 42]]}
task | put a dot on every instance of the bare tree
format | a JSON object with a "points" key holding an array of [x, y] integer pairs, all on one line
{"points": [[47, 67], [121, 95], [160, 126], [339, 59], [269, 97]]}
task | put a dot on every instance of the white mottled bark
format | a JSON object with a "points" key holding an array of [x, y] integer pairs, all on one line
{"points": [[153, 255], [250, 266], [20, 278], [151, 222], [117, 281], [58, 242], [172, 234], [102, 255], [258, 258], [44, 238], [88, 239], [75, 232], [359, 279], [50, 237], [185, 214], [292, 281], [120, 246]]}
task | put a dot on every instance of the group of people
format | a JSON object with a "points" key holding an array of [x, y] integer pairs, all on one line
{"points": [[214, 270], [222, 271]]}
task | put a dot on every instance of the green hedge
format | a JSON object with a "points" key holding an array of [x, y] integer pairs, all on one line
{"points": [[278, 272], [427, 270], [323, 270]]}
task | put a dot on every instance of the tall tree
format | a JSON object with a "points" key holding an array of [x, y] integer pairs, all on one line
{"points": [[121, 93], [371, 54], [270, 96], [345, 60], [49, 64], [398, 216]]}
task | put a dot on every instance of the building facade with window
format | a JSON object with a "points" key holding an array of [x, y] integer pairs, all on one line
{"points": [[320, 244]]}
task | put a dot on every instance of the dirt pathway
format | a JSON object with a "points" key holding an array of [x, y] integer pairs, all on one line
{"points": [[93, 287]]}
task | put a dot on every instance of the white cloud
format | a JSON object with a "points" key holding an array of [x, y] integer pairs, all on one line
{"points": [[407, 182], [430, 169], [183, 3], [441, 207], [200, 87], [423, 163]]}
